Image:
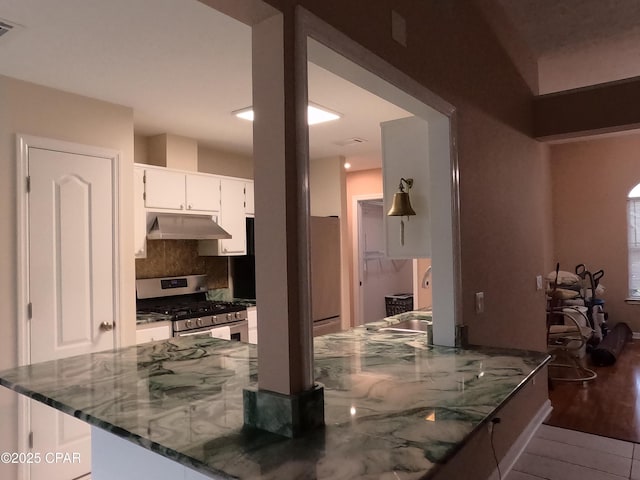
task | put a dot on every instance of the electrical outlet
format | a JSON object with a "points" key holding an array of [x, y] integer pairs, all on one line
{"points": [[479, 302], [539, 282]]}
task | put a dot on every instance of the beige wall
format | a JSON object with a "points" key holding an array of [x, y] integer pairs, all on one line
{"points": [[505, 197], [34, 110], [325, 186], [505, 193], [8, 341], [141, 149], [224, 163], [591, 180], [209, 160], [173, 151]]}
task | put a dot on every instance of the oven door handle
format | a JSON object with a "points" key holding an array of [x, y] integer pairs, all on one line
{"points": [[189, 334]]}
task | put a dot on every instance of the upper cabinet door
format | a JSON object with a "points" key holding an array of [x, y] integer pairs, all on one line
{"points": [[139, 214], [203, 193], [232, 217], [164, 189], [249, 207]]}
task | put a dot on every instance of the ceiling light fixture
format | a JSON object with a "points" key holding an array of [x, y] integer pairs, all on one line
{"points": [[347, 165], [315, 114]]}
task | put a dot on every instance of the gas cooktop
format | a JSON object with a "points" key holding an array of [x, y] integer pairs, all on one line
{"points": [[180, 298], [191, 309]]}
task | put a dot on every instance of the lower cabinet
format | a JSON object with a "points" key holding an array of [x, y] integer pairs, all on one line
{"points": [[252, 317], [149, 332]]}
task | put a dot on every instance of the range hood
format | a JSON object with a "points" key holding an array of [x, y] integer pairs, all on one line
{"points": [[186, 227]]}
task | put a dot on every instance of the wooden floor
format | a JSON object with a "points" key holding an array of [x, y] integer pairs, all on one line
{"points": [[608, 406]]}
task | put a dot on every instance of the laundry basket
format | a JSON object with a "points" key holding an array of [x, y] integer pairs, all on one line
{"points": [[398, 303]]}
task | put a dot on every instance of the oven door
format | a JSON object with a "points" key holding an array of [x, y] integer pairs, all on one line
{"points": [[238, 331]]}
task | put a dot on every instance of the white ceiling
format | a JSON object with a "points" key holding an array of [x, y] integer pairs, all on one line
{"points": [[550, 25], [181, 66], [578, 42]]}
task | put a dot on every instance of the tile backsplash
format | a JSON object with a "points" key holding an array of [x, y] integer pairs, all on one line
{"points": [[173, 258]]}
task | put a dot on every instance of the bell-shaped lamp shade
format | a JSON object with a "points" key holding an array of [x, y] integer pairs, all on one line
{"points": [[401, 206]]}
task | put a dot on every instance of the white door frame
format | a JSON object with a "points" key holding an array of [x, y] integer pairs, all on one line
{"points": [[413, 96], [23, 143]]}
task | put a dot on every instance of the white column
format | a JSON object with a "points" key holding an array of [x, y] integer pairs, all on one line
{"points": [[285, 350]]}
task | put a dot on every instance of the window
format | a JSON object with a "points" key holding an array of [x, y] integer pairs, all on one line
{"points": [[633, 217]]}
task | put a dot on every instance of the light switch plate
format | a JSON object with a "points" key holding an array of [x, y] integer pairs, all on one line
{"points": [[539, 282], [479, 302], [398, 28]]}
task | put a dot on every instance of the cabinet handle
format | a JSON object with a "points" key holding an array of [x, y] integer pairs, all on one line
{"points": [[181, 207], [189, 206]]}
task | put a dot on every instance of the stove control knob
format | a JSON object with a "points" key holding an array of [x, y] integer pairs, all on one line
{"points": [[199, 322], [188, 323], [214, 320], [237, 315], [229, 316]]}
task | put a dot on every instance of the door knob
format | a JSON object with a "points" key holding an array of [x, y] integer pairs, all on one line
{"points": [[106, 326]]}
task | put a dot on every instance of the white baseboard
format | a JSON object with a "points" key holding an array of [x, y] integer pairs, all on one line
{"points": [[510, 459]]}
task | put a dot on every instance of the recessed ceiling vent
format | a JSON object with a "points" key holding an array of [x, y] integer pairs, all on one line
{"points": [[351, 141], [5, 27]]}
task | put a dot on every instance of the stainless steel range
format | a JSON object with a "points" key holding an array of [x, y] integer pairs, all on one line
{"points": [[184, 299]]}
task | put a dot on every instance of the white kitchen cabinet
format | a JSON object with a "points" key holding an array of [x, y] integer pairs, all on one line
{"points": [[149, 332], [139, 214], [249, 204], [202, 193], [252, 317], [175, 190], [164, 189], [232, 216]]}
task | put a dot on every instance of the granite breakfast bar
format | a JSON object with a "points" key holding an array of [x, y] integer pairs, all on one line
{"points": [[395, 406]]}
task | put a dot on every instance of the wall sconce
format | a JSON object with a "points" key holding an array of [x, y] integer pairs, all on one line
{"points": [[401, 206]]}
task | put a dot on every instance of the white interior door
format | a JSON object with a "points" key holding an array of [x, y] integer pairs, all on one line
{"points": [[71, 284]]}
